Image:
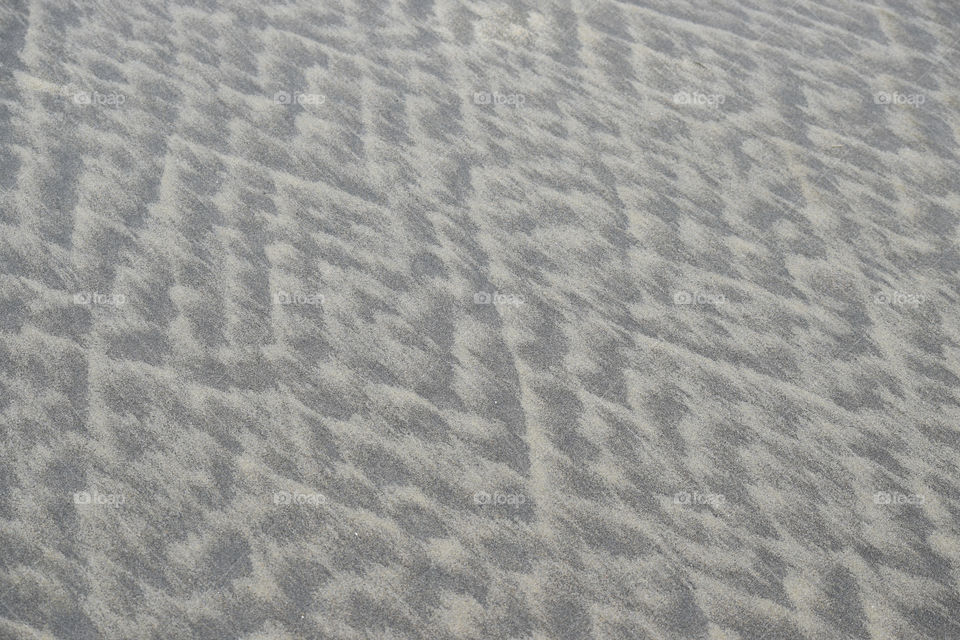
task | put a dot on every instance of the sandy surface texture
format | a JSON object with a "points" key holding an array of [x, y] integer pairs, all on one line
{"points": [[457, 319]]}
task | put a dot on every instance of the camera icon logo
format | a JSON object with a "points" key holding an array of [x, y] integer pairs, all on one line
{"points": [[681, 497], [482, 298], [282, 497], [82, 98], [481, 497], [481, 97], [681, 98], [282, 97], [882, 497], [82, 497], [882, 98], [682, 297]]}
